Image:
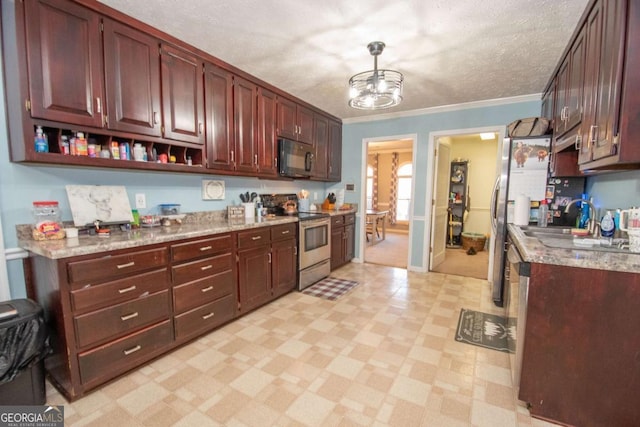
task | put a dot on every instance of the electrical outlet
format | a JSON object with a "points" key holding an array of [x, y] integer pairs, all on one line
{"points": [[315, 195], [350, 187], [141, 201]]}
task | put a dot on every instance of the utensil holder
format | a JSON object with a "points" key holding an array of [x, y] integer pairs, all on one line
{"points": [[249, 210], [303, 205]]}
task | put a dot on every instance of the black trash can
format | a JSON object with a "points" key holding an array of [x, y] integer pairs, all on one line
{"points": [[24, 344]]}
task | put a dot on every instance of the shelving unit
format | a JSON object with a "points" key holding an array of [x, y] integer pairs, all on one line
{"points": [[458, 202]]}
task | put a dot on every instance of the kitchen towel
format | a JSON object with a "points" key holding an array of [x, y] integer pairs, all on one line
{"points": [[521, 210]]}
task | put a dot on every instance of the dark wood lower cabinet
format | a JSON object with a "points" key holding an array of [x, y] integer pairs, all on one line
{"points": [[110, 312], [342, 239], [581, 358]]}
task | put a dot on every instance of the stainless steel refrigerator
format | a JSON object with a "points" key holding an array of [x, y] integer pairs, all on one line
{"points": [[524, 168]]}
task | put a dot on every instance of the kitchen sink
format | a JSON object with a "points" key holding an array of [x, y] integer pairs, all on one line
{"points": [[561, 238]]}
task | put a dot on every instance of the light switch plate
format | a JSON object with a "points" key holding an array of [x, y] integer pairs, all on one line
{"points": [[212, 189]]}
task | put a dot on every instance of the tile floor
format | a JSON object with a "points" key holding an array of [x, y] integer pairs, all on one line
{"points": [[382, 355]]}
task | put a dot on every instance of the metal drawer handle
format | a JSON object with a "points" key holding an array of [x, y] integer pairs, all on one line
{"points": [[285, 232], [125, 290], [207, 289], [205, 248], [208, 316], [129, 264], [132, 350], [129, 316], [206, 267], [256, 238]]}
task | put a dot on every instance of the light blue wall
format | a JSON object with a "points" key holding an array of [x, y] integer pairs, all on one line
{"points": [[422, 125], [616, 190]]}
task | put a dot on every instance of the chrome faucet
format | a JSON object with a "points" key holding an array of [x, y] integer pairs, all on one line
{"points": [[593, 223]]}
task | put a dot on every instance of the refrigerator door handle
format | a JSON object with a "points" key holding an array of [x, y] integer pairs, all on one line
{"points": [[494, 205]]}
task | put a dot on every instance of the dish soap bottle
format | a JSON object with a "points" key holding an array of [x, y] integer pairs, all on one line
{"points": [[543, 210], [607, 225]]}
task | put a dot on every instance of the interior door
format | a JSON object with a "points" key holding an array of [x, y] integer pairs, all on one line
{"points": [[440, 204]]}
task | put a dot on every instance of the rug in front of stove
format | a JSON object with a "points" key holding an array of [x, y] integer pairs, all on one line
{"points": [[330, 288], [486, 330]]}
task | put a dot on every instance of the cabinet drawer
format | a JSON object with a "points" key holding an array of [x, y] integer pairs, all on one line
{"points": [[253, 238], [201, 291], [119, 356], [284, 231], [194, 270], [204, 318], [112, 322], [349, 219], [112, 266], [199, 248], [337, 220], [130, 288]]}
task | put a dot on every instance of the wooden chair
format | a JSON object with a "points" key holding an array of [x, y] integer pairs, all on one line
{"points": [[371, 226]]}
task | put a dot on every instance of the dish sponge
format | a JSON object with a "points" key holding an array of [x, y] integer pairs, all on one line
{"points": [[579, 232]]}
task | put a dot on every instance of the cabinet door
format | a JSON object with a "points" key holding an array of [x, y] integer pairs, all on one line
{"points": [[218, 88], [593, 29], [245, 116], [304, 119], [562, 85], [334, 151], [337, 247], [287, 126], [254, 277], [182, 95], [65, 62], [321, 141], [267, 140], [575, 89], [132, 78], [349, 242], [609, 79], [284, 266]]}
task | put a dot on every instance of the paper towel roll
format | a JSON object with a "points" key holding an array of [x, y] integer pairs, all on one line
{"points": [[521, 210]]}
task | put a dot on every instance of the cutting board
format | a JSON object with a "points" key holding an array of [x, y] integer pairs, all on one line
{"points": [[104, 203]]}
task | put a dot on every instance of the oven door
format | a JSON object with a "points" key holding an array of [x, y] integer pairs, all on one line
{"points": [[315, 242]]}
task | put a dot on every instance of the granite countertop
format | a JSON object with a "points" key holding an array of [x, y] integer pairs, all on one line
{"points": [[532, 250], [199, 226]]}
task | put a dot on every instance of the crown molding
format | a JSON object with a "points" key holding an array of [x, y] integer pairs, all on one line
{"points": [[446, 108]]}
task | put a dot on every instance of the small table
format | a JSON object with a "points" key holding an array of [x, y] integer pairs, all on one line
{"points": [[373, 217]]}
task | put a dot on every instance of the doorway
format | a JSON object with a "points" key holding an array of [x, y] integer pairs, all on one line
{"points": [[387, 189], [477, 150]]}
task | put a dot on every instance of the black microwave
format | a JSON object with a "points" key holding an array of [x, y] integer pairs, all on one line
{"points": [[295, 159]]}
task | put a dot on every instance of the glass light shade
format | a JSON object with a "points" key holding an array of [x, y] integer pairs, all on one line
{"points": [[375, 89]]}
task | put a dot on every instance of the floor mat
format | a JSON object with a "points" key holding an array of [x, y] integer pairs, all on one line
{"points": [[330, 288], [486, 330]]}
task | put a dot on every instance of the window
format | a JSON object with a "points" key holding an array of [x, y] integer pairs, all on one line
{"points": [[369, 187], [405, 176]]}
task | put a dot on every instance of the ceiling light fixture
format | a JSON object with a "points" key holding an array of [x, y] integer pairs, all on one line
{"points": [[487, 136], [375, 89]]}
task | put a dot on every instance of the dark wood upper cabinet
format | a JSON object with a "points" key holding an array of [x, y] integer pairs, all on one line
{"points": [[218, 88], [182, 95], [606, 114], [245, 117], [295, 122], [65, 62], [334, 151], [320, 142], [267, 140], [132, 78], [569, 90]]}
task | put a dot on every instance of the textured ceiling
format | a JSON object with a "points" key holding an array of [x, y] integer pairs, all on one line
{"points": [[450, 51]]}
